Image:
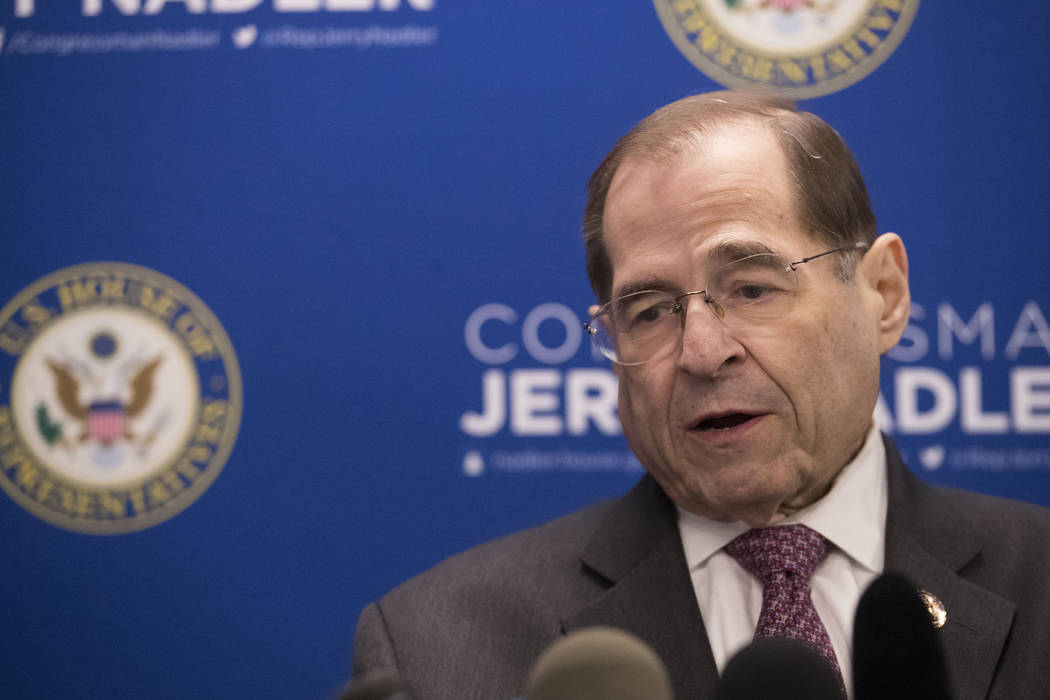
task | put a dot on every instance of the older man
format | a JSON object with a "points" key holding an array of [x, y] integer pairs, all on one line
{"points": [[745, 300]]}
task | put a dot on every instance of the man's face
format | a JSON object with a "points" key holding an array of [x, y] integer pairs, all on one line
{"points": [[798, 393]]}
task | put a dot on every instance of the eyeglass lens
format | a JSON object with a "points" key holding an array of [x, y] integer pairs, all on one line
{"points": [[744, 293]]}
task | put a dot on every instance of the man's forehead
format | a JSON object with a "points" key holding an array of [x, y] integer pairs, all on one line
{"points": [[736, 182], [724, 168]]}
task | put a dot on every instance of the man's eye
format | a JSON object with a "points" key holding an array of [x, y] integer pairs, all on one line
{"points": [[647, 315], [750, 292], [642, 315], [753, 292]]}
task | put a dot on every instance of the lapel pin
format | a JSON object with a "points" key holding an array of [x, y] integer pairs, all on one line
{"points": [[934, 606]]}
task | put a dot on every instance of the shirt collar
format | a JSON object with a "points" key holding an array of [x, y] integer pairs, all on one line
{"points": [[852, 515]]}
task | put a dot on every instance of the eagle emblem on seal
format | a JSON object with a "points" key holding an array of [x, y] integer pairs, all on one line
{"points": [[104, 419]]}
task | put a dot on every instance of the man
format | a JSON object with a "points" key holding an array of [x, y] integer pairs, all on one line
{"points": [[745, 300]]}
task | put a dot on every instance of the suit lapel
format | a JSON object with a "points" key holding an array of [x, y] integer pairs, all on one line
{"points": [[930, 541], [638, 553]]}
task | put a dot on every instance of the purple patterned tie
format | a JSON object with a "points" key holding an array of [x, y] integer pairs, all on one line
{"points": [[783, 558]]}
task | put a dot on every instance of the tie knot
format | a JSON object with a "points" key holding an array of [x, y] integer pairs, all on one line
{"points": [[768, 551]]}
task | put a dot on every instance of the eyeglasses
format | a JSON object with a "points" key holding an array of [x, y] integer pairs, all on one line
{"points": [[748, 292]]}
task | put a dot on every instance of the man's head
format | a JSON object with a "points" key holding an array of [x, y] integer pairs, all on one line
{"points": [[738, 418]]}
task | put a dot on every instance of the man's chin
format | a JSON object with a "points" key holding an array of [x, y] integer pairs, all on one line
{"points": [[758, 499], [755, 515]]}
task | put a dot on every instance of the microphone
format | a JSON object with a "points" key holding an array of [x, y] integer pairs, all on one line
{"points": [[380, 685], [781, 669], [896, 651], [599, 663]]}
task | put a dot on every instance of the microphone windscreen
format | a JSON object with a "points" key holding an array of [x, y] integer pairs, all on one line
{"points": [[896, 650], [599, 663], [778, 669], [377, 686]]}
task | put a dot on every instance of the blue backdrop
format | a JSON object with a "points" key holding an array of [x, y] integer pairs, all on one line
{"points": [[381, 207]]}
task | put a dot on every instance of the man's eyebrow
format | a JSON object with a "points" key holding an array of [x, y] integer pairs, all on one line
{"points": [[731, 251], [725, 252], [648, 283]]}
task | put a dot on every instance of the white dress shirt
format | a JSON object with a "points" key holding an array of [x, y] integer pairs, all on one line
{"points": [[852, 516]]}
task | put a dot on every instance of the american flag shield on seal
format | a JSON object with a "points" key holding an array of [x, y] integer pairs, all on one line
{"points": [[106, 421]]}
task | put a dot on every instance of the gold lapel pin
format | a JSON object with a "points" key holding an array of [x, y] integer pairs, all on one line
{"points": [[934, 606]]}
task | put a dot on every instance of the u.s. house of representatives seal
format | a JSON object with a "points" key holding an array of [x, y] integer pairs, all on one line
{"points": [[120, 398], [800, 48]]}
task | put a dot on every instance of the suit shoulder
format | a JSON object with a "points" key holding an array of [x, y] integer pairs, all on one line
{"points": [[998, 514], [1013, 534], [474, 624]]}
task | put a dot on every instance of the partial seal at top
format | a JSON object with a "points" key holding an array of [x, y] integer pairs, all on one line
{"points": [[120, 398], [799, 48]]}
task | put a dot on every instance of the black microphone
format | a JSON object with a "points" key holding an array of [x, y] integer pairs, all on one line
{"points": [[599, 663], [778, 669], [380, 685], [896, 650]]}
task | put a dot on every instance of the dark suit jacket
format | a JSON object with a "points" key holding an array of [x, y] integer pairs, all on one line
{"points": [[473, 626]]}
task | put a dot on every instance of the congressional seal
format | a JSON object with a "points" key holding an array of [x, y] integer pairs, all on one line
{"points": [[799, 48], [120, 398]]}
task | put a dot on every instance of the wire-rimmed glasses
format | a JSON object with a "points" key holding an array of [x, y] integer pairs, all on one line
{"points": [[747, 292]]}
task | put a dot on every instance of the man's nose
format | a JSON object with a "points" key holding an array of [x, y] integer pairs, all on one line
{"points": [[709, 344]]}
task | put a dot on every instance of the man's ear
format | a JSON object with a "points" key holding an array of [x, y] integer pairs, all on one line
{"points": [[884, 268]]}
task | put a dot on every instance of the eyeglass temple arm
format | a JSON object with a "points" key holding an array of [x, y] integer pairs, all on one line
{"points": [[859, 245]]}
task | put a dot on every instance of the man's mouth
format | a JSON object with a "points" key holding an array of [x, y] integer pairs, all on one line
{"points": [[725, 421]]}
